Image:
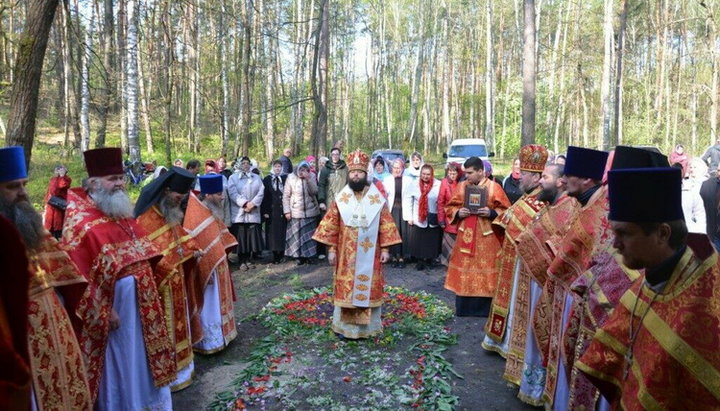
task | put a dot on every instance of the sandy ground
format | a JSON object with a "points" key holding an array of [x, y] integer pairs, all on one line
{"points": [[482, 387]]}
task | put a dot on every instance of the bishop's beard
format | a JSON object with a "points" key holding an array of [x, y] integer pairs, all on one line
{"points": [[172, 212], [27, 221], [358, 186], [114, 204]]}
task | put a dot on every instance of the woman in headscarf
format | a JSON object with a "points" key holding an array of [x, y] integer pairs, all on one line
{"points": [[272, 211], [301, 210], [394, 185], [679, 156], [311, 162], [453, 176], [413, 171], [380, 169], [422, 200]]}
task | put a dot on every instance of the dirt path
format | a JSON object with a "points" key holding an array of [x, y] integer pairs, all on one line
{"points": [[482, 387]]}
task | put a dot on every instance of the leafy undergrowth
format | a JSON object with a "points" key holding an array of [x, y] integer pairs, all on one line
{"points": [[302, 364]]}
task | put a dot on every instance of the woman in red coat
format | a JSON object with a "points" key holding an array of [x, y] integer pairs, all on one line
{"points": [[454, 174], [55, 217]]}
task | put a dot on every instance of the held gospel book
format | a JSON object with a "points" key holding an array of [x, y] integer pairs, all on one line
{"points": [[475, 197]]}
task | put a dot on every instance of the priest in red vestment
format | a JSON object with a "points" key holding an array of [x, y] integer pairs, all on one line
{"points": [[210, 288], [56, 363], [586, 234], [659, 348], [514, 220], [472, 273], [359, 229], [158, 211], [128, 352]]}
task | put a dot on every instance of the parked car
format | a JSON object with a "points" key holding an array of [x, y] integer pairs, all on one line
{"points": [[388, 155], [464, 148]]}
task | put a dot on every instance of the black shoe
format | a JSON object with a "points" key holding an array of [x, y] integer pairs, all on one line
{"points": [[311, 261], [420, 266], [394, 264], [301, 261], [401, 264]]}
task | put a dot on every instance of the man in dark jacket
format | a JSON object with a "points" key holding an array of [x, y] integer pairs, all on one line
{"points": [[287, 166], [710, 193], [712, 154], [332, 179]]}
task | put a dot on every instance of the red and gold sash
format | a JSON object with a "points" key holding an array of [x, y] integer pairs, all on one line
{"points": [[514, 220], [104, 250], [177, 247], [675, 361], [59, 377], [213, 238]]}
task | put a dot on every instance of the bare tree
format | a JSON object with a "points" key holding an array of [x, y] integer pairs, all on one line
{"points": [[85, 85], [131, 88], [319, 81]]}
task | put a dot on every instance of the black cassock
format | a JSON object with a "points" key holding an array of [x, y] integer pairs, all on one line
{"points": [[276, 224]]}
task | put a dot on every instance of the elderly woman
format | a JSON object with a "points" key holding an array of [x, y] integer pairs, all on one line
{"points": [[301, 211], [422, 201], [394, 185], [57, 190], [453, 175], [245, 194]]}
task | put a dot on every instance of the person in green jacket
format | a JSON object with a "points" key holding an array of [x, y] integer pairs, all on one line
{"points": [[333, 178]]}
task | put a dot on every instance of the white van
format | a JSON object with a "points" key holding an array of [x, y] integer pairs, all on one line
{"points": [[464, 148]]}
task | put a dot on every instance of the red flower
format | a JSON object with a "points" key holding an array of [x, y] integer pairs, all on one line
{"points": [[256, 390], [239, 404], [262, 379], [347, 378]]}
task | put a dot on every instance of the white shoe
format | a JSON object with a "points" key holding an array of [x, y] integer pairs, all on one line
{"points": [[321, 257], [233, 258]]}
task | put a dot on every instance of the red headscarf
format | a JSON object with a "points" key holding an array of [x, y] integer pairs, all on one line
{"points": [[424, 190]]}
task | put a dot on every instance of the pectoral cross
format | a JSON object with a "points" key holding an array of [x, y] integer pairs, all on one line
{"points": [[180, 251], [628, 364]]}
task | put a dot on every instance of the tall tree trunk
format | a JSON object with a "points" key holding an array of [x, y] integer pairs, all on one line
{"points": [[224, 132], [529, 75], [70, 101], [107, 83], [618, 75], [133, 8], [121, 68], [85, 86], [320, 81], [145, 105], [168, 58], [608, 33], [489, 80], [414, 96], [28, 70]]}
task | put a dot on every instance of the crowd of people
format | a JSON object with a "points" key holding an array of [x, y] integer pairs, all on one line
{"points": [[595, 270]]}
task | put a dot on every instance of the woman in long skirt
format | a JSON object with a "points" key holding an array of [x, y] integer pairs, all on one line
{"points": [[425, 232], [246, 192], [301, 210], [394, 185]]}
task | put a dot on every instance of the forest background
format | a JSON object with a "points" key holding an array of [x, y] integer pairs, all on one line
{"points": [[199, 79]]}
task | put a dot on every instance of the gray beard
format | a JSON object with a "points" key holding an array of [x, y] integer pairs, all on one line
{"points": [[173, 213], [27, 221], [217, 209], [115, 205]]}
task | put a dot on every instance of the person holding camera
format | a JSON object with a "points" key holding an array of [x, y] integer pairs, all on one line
{"points": [[55, 200]]}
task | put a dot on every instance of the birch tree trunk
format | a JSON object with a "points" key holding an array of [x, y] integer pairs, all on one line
{"points": [[145, 105], [122, 63], [416, 90], [608, 33], [529, 75], [133, 8], [194, 79], [28, 71], [85, 86], [489, 80]]}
